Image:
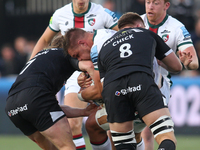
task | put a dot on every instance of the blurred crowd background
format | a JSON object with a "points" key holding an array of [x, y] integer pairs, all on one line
{"points": [[24, 21]]}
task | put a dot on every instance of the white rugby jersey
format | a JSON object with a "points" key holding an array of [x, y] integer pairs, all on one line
{"points": [[176, 36], [96, 17], [173, 32], [100, 36]]}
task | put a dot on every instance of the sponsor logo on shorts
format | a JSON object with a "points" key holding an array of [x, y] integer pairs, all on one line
{"points": [[117, 93], [128, 90], [14, 112]]}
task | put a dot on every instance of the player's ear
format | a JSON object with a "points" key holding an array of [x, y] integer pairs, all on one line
{"points": [[81, 42], [167, 4]]}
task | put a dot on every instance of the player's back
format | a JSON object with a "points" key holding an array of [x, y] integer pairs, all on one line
{"points": [[49, 69], [130, 50]]}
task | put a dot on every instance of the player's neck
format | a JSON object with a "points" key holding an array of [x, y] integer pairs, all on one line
{"points": [[90, 39], [77, 10], [158, 21]]}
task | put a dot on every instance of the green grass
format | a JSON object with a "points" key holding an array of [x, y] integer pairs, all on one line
{"points": [[20, 142]]}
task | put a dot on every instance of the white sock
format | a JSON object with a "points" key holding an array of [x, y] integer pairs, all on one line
{"points": [[79, 142], [105, 145], [140, 146]]}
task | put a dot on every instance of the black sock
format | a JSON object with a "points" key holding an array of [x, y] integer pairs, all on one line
{"points": [[131, 146], [167, 145]]}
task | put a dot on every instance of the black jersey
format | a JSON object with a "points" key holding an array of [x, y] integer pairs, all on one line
{"points": [[130, 50], [49, 69]]}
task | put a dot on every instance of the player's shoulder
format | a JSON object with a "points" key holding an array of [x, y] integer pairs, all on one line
{"points": [[98, 8], [143, 16], [105, 31], [103, 34], [173, 22]]}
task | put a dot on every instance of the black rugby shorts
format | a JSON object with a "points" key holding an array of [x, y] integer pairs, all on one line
{"points": [[134, 92], [33, 109]]}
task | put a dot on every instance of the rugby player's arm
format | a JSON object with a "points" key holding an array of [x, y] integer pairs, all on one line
{"points": [[189, 58], [78, 112], [172, 63], [93, 92], [44, 41]]}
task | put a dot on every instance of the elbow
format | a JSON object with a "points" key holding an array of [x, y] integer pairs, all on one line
{"points": [[177, 69], [193, 66], [97, 94]]}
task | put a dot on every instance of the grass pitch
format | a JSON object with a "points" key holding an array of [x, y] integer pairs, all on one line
{"points": [[20, 142]]}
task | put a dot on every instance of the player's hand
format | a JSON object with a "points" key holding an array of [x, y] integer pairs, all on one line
{"points": [[185, 58], [83, 80], [90, 109]]}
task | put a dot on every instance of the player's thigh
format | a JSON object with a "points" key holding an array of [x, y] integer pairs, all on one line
{"points": [[153, 116], [71, 90], [60, 133], [31, 103], [121, 127], [72, 100]]}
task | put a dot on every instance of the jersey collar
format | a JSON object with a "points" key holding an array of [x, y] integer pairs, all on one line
{"points": [[160, 24], [80, 15]]}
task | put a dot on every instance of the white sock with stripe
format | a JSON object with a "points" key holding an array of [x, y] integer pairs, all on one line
{"points": [[79, 142]]}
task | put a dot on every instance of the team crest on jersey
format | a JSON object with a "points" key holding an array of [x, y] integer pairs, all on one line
{"points": [[91, 21], [165, 37]]}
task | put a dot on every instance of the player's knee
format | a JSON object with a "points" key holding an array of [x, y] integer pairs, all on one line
{"points": [[163, 127], [124, 141], [75, 123], [147, 135], [101, 119], [91, 125]]}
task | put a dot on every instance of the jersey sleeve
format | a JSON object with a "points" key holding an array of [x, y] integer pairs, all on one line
{"points": [[74, 62], [53, 24], [110, 18], [183, 38], [100, 36]]}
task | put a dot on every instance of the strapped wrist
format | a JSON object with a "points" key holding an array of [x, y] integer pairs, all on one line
{"points": [[80, 96]]}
